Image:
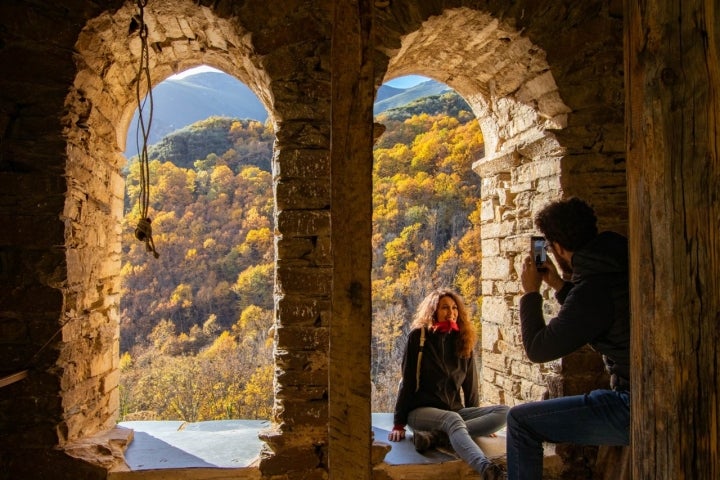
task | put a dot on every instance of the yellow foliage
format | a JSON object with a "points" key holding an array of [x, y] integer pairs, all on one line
{"points": [[125, 361], [258, 394], [182, 295], [222, 344]]}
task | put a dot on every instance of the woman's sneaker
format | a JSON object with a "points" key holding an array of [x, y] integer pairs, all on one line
{"points": [[423, 441]]}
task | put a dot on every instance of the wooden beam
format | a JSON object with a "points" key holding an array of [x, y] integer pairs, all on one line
{"points": [[673, 142], [353, 94], [15, 377]]}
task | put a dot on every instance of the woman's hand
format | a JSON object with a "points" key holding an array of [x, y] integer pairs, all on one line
{"points": [[396, 435]]}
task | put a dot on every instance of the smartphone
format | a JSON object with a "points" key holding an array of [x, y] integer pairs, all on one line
{"points": [[537, 247]]}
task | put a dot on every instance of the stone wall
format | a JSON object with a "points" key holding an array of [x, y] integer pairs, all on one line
{"points": [[551, 113], [537, 104]]}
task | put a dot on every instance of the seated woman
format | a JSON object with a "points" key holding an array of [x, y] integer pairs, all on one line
{"points": [[438, 396]]}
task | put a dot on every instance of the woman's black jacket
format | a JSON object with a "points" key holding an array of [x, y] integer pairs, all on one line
{"points": [[447, 381]]}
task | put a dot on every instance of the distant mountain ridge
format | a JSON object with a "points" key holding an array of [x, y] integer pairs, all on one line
{"points": [[389, 97], [178, 103]]}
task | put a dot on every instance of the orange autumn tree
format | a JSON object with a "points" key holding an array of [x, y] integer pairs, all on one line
{"points": [[205, 307]]}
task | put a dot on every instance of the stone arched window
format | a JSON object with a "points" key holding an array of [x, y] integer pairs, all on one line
{"points": [[510, 87], [100, 105]]}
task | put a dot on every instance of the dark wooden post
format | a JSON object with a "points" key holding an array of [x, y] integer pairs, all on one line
{"points": [[673, 143], [351, 216]]}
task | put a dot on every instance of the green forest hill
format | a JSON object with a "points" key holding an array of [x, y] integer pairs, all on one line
{"points": [[196, 323]]}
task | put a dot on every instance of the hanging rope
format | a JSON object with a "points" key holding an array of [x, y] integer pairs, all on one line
{"points": [[143, 232]]}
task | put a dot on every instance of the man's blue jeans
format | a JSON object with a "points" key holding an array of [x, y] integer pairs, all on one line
{"points": [[601, 417], [461, 426]]}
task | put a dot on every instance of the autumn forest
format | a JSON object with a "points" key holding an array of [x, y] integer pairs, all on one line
{"points": [[196, 323]]}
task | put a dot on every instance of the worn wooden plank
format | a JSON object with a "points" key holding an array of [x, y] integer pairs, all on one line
{"points": [[673, 140], [351, 220], [15, 377]]}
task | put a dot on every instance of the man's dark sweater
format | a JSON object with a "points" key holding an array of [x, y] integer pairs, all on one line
{"points": [[595, 310]]}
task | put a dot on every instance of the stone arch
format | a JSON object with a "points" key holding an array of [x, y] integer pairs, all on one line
{"points": [[100, 105], [282, 57], [551, 133], [499, 71], [509, 84]]}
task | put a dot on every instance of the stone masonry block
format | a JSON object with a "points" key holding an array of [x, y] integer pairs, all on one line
{"points": [[493, 396], [495, 361], [299, 310], [496, 268], [303, 222], [487, 209], [505, 197], [490, 336], [498, 163], [302, 377], [497, 230], [215, 39], [544, 148], [551, 186], [490, 247], [495, 310], [296, 251], [537, 87], [110, 381], [290, 459], [523, 125], [309, 194], [310, 281], [551, 106], [530, 172], [304, 413], [302, 339], [301, 393]]}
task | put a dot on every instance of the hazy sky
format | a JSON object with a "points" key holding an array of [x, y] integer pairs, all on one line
{"points": [[406, 81], [400, 82], [193, 71]]}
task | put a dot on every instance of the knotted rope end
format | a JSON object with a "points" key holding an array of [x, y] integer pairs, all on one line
{"points": [[143, 232]]}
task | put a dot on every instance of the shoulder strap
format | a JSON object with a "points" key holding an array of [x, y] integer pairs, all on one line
{"points": [[417, 371]]}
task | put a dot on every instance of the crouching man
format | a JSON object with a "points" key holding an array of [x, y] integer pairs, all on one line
{"points": [[594, 310]]}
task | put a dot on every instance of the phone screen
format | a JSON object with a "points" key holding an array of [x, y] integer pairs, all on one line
{"points": [[538, 251]]}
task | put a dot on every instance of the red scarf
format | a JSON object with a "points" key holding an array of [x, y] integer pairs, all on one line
{"points": [[446, 326]]}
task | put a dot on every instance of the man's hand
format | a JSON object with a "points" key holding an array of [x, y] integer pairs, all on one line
{"points": [[551, 275], [531, 278]]}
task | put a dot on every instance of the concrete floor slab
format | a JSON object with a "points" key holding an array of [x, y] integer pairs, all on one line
{"points": [[235, 444], [176, 444]]}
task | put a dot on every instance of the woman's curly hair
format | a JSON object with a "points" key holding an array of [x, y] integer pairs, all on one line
{"points": [[426, 316], [571, 223]]}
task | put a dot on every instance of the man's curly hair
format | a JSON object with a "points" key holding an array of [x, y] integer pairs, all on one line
{"points": [[571, 223]]}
